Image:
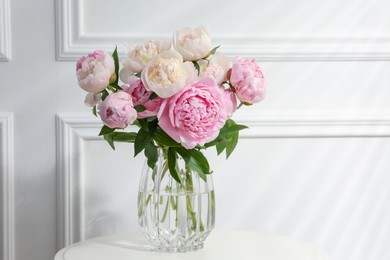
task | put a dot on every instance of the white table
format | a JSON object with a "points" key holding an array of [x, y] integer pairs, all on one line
{"points": [[237, 245]]}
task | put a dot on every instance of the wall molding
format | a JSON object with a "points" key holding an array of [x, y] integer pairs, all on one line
{"points": [[319, 124], [73, 42], [73, 129], [5, 30], [7, 188]]}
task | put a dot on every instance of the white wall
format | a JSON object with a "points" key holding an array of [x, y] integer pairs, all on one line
{"points": [[313, 165]]}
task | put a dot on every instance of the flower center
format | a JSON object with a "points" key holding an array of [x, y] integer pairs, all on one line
{"points": [[146, 52], [197, 114], [109, 112], [190, 37], [213, 70], [167, 71]]}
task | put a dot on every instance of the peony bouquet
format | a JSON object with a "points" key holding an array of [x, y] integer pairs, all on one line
{"points": [[181, 94]]}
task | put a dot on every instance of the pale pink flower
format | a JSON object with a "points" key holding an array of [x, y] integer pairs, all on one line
{"points": [[248, 80], [117, 110], [194, 115], [193, 44], [95, 71], [142, 54], [217, 67], [166, 74], [92, 99], [140, 96]]}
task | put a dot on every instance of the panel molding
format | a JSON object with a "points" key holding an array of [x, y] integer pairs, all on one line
{"points": [[73, 42], [7, 188], [73, 129], [319, 124], [5, 30]]}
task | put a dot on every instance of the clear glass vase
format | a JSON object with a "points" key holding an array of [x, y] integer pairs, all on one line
{"points": [[175, 217]]}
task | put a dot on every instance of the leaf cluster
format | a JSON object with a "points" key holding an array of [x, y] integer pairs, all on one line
{"points": [[150, 137], [228, 138]]}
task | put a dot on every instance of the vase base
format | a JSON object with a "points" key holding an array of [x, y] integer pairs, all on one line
{"points": [[177, 249]]}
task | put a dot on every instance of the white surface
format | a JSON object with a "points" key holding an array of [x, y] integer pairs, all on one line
{"points": [[324, 178], [219, 245]]}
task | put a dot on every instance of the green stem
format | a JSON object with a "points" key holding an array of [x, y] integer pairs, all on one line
{"points": [[165, 212], [187, 186], [191, 213], [190, 210], [173, 203], [148, 199], [111, 88]]}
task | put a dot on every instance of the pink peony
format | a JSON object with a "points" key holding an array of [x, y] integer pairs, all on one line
{"points": [[230, 101], [248, 80], [140, 96], [194, 115], [117, 110], [94, 71]]}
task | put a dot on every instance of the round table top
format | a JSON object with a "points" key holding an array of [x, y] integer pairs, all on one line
{"points": [[242, 245]]}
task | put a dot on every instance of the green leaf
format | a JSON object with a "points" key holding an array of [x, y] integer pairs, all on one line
{"points": [[231, 129], [94, 112], [152, 126], [140, 108], [111, 88], [109, 139], [196, 65], [104, 94], [220, 147], [212, 52], [141, 140], [124, 137], [143, 122], [106, 130], [151, 154], [195, 160], [231, 145], [115, 87], [116, 61], [152, 118], [118, 87], [164, 139], [223, 138], [172, 159], [217, 141], [137, 123], [153, 96], [228, 137]]}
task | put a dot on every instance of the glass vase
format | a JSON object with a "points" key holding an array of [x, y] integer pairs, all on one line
{"points": [[173, 216]]}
